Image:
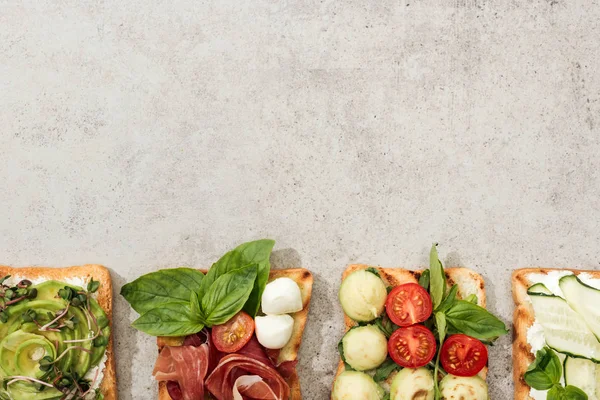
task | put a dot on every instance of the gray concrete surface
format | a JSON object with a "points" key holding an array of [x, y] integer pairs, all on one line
{"points": [[146, 134]]}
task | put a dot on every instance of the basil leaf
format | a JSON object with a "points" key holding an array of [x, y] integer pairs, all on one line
{"points": [[475, 321], [386, 396], [437, 280], [545, 371], [385, 325], [424, 279], [449, 300], [195, 307], [228, 294], [555, 393], [440, 323], [256, 252], [574, 393], [385, 369], [171, 319], [472, 298], [373, 271], [166, 286]]}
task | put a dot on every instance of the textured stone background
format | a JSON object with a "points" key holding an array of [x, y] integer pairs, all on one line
{"points": [[146, 134]]}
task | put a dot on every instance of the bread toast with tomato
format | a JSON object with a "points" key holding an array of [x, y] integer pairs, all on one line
{"points": [[468, 281], [523, 319], [304, 279], [108, 386]]}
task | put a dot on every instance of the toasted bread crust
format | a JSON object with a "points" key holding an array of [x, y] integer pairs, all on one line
{"points": [[105, 300], [304, 279], [523, 318], [399, 276]]}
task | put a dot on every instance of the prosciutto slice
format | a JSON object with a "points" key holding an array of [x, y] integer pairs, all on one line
{"points": [[186, 365], [237, 375]]}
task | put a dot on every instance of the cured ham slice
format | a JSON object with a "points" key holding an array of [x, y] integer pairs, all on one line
{"points": [[252, 386], [185, 365], [232, 368]]}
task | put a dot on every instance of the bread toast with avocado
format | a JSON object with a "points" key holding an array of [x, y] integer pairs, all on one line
{"points": [[103, 297]]}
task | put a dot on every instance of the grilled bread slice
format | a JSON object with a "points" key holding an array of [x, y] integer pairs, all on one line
{"points": [[108, 387], [304, 279], [523, 318], [468, 281]]}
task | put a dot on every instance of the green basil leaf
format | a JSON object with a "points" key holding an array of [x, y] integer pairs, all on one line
{"points": [[472, 298], [440, 323], [171, 319], [166, 286], [384, 370], [437, 280], [373, 271], [555, 393], [449, 300], [424, 279], [545, 371], [256, 252], [386, 396], [385, 325], [574, 393], [475, 321], [195, 307], [228, 294]]}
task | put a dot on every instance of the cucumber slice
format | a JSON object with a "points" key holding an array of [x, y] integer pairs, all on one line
{"points": [[564, 329], [584, 299], [539, 288], [365, 347], [585, 375]]}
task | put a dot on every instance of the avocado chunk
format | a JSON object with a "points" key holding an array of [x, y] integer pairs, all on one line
{"points": [[412, 384], [464, 388], [365, 347], [362, 296], [352, 385]]}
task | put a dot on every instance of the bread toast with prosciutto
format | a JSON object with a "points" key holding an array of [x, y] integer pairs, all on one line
{"points": [[468, 281], [304, 279], [108, 387], [523, 319]]}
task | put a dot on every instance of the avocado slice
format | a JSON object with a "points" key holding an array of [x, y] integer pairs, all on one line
{"points": [[23, 344]]}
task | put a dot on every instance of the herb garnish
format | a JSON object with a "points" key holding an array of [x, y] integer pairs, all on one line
{"points": [[182, 301], [10, 295], [545, 373]]}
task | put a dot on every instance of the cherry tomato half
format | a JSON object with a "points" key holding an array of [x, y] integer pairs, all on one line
{"points": [[463, 355], [234, 334], [408, 304], [412, 347]]}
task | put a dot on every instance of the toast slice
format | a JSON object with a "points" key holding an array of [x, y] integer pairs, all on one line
{"points": [[468, 281], [108, 387], [304, 279], [523, 318]]}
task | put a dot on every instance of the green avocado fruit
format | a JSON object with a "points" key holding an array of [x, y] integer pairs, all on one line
{"points": [[24, 344]]}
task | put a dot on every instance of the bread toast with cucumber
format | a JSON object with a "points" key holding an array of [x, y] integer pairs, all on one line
{"points": [[468, 282], [304, 279], [103, 297], [524, 318]]}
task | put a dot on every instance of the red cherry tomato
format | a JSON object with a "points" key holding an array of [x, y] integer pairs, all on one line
{"points": [[408, 304], [234, 334], [463, 355], [412, 347]]}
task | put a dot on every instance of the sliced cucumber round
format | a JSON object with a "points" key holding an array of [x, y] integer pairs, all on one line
{"points": [[362, 295], [412, 384], [463, 388], [351, 385], [365, 347]]}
